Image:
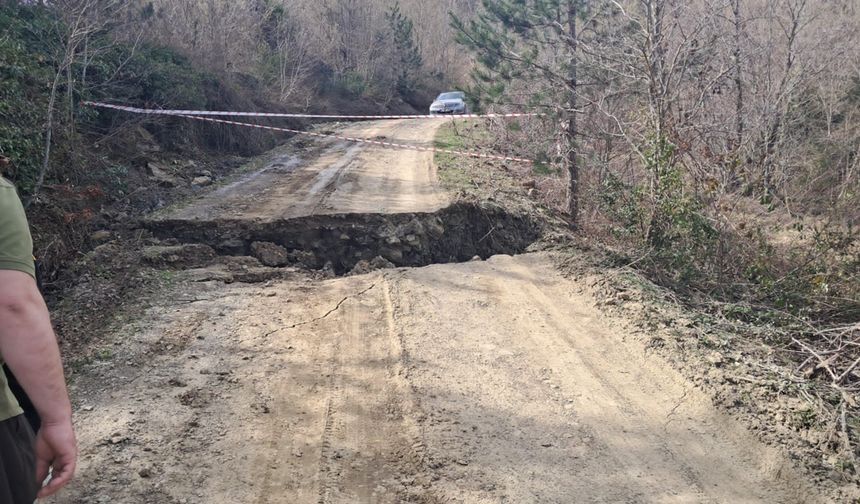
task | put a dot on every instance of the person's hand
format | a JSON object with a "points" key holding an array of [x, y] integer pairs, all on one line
{"points": [[55, 447]]}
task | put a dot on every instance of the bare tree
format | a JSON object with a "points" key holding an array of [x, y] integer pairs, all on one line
{"points": [[543, 52], [80, 20]]}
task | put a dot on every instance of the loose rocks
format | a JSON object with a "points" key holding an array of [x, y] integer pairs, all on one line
{"points": [[377, 263], [269, 254], [190, 255], [202, 181], [160, 175], [101, 236]]}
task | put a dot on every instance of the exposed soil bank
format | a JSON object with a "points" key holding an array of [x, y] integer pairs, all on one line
{"points": [[454, 234]]}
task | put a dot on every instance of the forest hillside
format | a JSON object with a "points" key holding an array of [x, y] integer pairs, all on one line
{"points": [[705, 151], [78, 169]]}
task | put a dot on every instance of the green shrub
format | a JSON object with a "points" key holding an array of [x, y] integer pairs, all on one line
{"points": [[680, 245], [24, 75], [30, 50]]}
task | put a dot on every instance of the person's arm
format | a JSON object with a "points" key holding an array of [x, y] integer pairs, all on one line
{"points": [[29, 347]]}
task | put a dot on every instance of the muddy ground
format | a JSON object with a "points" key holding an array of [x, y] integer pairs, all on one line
{"points": [[388, 342]]}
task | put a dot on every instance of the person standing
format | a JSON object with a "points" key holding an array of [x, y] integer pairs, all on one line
{"points": [[29, 348]]}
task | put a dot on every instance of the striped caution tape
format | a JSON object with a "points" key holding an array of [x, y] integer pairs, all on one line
{"points": [[365, 140], [202, 113]]}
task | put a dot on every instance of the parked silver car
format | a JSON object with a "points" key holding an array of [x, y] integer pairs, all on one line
{"points": [[452, 102]]}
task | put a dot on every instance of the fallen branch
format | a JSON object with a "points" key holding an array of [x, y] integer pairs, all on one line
{"points": [[848, 371], [822, 363]]}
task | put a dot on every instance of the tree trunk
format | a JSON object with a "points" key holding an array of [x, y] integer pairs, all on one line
{"points": [[570, 133], [49, 132], [782, 101], [656, 60], [739, 83], [655, 67], [733, 161]]}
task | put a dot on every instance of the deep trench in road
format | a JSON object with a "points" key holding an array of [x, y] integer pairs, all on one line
{"points": [[456, 233]]}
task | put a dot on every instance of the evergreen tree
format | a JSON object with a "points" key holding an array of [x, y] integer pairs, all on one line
{"points": [[535, 44], [407, 52]]}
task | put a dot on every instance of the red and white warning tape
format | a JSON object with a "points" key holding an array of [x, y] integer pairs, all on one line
{"points": [[192, 114], [136, 110], [365, 140]]}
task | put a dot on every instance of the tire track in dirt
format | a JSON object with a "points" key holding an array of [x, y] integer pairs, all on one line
{"points": [[534, 397], [371, 449], [412, 457], [606, 398], [324, 347], [324, 475], [484, 382], [327, 476], [337, 178]]}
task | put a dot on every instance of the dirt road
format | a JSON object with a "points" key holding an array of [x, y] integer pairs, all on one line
{"points": [[340, 178], [494, 381]]}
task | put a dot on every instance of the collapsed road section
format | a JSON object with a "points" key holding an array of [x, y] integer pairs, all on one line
{"points": [[455, 233], [346, 204], [496, 381]]}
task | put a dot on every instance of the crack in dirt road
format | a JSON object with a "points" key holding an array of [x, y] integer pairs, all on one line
{"points": [[336, 308], [675, 408]]}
